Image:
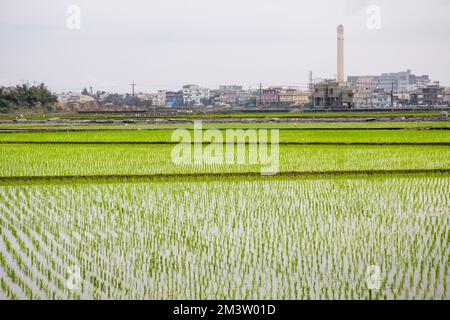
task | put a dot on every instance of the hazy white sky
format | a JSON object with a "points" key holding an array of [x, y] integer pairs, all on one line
{"points": [[168, 43]]}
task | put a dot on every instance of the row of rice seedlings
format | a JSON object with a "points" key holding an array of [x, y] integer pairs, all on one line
{"points": [[6, 292], [53, 231], [336, 136], [33, 250], [291, 239], [57, 160]]}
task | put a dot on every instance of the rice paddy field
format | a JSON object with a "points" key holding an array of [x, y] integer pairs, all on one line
{"points": [[286, 136], [102, 212]]}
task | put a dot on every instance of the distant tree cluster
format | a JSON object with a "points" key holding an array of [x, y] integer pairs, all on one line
{"points": [[26, 97], [127, 100]]}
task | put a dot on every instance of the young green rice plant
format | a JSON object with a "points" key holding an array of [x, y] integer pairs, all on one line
{"points": [[80, 160], [234, 238], [286, 136]]}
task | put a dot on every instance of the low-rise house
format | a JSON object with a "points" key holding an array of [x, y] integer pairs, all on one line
{"points": [[381, 99], [160, 98], [293, 97], [430, 95], [363, 92], [402, 98], [174, 99], [447, 96], [268, 96], [74, 98], [246, 98], [229, 98]]}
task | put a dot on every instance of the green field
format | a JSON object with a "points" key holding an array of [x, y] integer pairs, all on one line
{"points": [[106, 201], [59, 160], [333, 136], [228, 239]]}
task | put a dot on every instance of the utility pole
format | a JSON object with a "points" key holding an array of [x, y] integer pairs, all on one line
{"points": [[310, 85], [260, 94], [132, 89], [311, 90], [371, 95], [392, 97]]}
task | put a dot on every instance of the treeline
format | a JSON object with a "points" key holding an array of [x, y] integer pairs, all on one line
{"points": [[127, 100], [25, 97]]}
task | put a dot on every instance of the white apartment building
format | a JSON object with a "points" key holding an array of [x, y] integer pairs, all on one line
{"points": [[194, 95]]}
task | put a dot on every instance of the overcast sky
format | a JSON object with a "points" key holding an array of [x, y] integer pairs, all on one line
{"points": [[168, 43]]}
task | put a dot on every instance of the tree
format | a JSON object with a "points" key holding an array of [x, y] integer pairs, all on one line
{"points": [[26, 97]]}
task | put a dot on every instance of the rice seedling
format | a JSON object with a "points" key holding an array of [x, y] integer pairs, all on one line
{"points": [[286, 136], [75, 160], [235, 238]]}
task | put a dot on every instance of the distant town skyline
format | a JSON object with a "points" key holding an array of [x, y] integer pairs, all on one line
{"points": [[164, 44]]}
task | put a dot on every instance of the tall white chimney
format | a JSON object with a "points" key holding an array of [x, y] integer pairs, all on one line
{"points": [[340, 53]]}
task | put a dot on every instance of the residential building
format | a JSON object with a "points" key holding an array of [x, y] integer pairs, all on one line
{"points": [[394, 81], [230, 88], [246, 98], [214, 98], [174, 99], [420, 81], [228, 98], [429, 95], [399, 81], [82, 98], [268, 96], [160, 99], [229, 95], [294, 97], [74, 98], [363, 92], [194, 95], [381, 99], [447, 96], [401, 98], [240, 98]]}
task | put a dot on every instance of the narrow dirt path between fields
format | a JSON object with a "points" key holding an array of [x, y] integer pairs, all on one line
{"points": [[157, 177]]}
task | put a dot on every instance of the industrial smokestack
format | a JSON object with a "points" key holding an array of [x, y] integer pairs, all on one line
{"points": [[310, 85], [340, 53]]}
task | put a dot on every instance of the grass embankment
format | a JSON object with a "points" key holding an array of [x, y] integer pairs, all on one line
{"points": [[50, 127], [137, 115]]}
